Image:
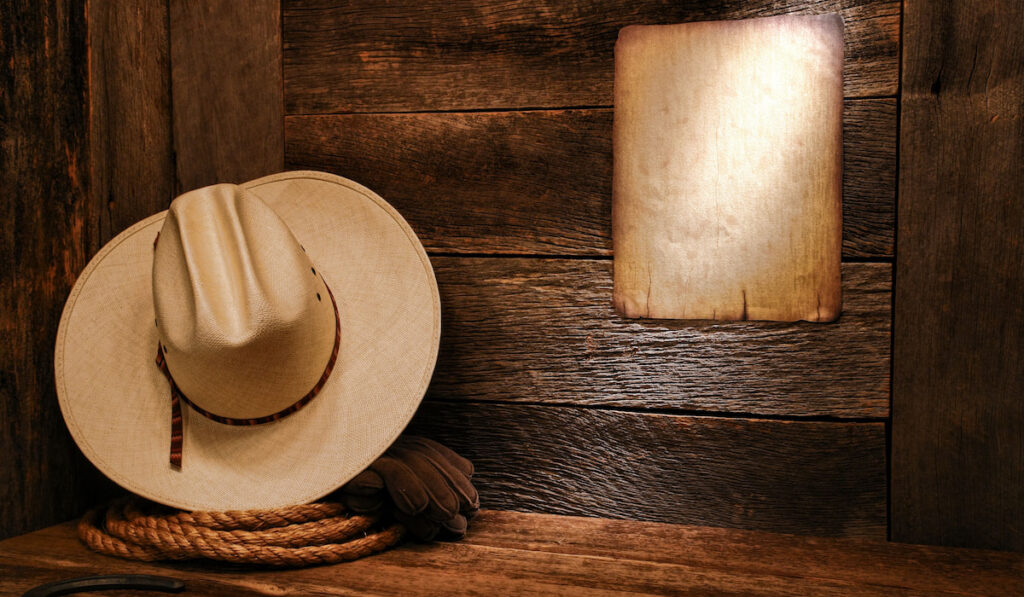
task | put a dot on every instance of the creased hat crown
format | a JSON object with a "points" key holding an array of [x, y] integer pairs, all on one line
{"points": [[244, 316]]}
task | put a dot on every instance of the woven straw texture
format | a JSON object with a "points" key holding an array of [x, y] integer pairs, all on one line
{"points": [[116, 401]]}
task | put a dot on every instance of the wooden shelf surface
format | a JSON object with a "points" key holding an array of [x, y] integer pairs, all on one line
{"points": [[511, 553]]}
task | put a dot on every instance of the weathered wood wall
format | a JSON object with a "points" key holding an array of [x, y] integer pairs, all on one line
{"points": [[226, 88], [90, 145], [488, 124], [45, 240], [958, 386]]}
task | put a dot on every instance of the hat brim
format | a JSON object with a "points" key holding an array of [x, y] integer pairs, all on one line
{"points": [[117, 403]]}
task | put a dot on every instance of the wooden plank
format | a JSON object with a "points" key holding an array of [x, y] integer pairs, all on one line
{"points": [[519, 182], [515, 553], [869, 178], [820, 478], [539, 182], [443, 55], [863, 562], [46, 210], [544, 331], [227, 90], [131, 151], [441, 569], [958, 417]]}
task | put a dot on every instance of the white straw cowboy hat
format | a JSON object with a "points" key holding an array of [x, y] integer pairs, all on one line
{"points": [[271, 342]]}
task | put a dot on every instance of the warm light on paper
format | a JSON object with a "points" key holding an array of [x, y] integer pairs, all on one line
{"points": [[728, 169]]}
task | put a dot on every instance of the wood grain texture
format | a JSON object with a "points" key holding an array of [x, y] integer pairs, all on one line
{"points": [[511, 553], [958, 416], [819, 478], [869, 178], [227, 90], [67, 188], [369, 56], [539, 182], [131, 160], [46, 209], [544, 331], [871, 563]]}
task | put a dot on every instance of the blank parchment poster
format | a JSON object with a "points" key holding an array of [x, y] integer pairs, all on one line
{"points": [[728, 169]]}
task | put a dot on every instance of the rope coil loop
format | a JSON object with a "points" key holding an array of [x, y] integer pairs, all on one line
{"points": [[313, 534]]}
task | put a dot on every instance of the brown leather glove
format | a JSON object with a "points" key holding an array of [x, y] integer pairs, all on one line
{"points": [[425, 484]]}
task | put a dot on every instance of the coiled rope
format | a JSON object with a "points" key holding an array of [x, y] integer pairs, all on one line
{"points": [[307, 535]]}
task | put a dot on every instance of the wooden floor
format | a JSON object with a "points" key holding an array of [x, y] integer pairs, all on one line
{"points": [[509, 553]]}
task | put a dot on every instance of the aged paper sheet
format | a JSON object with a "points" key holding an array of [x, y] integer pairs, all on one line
{"points": [[727, 181]]}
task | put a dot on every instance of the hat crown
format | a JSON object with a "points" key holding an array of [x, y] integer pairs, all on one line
{"points": [[244, 316]]}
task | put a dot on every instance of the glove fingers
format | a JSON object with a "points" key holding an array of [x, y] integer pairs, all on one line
{"points": [[442, 504], [463, 488], [468, 496], [454, 529], [363, 504], [419, 527], [457, 481], [407, 491], [367, 482], [462, 464]]}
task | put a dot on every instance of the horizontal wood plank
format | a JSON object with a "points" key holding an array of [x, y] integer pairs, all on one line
{"points": [[544, 331], [863, 562], [437, 569], [371, 56], [869, 178], [820, 478], [454, 569], [512, 553], [539, 182]]}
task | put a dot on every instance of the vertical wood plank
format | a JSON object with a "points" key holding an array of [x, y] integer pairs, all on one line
{"points": [[131, 153], [228, 101], [958, 412], [45, 208]]}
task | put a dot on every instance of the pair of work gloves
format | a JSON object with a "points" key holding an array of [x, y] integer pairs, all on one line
{"points": [[425, 486]]}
